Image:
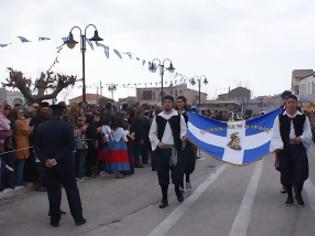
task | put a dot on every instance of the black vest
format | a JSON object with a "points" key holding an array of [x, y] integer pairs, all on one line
{"points": [[174, 122], [285, 121]]}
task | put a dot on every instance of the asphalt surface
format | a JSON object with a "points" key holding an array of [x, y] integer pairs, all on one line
{"points": [[226, 200]]}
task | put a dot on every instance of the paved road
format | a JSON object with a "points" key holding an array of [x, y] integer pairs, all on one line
{"points": [[227, 200]]}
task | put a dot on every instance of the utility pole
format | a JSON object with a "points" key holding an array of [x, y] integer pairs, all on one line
{"points": [[101, 88]]}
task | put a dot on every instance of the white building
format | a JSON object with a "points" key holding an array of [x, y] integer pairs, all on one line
{"points": [[306, 86], [12, 97]]}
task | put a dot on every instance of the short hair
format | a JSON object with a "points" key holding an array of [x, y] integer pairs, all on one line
{"points": [[293, 97], [44, 104], [286, 94], [168, 97], [184, 99], [58, 110]]}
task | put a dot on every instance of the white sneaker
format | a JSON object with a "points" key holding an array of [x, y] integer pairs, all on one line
{"points": [[188, 187]]}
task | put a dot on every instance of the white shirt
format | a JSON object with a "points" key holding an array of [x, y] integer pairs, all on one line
{"points": [[276, 140], [106, 130], [167, 137], [118, 134]]}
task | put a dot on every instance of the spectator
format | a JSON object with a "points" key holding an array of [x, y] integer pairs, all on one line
{"points": [[23, 130]]}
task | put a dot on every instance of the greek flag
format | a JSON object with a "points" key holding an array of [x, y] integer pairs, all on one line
{"points": [[237, 143]]}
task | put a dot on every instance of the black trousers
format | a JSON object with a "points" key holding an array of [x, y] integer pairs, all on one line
{"points": [[54, 180], [7, 176], [293, 165], [163, 167]]}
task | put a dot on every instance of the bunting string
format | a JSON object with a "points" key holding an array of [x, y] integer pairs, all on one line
{"points": [[171, 80]]}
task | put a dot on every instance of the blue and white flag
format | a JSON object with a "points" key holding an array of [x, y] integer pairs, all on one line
{"points": [[65, 39], [23, 39], [43, 38], [237, 143]]}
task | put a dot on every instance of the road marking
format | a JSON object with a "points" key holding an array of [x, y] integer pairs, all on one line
{"points": [[171, 220], [310, 190], [242, 219]]}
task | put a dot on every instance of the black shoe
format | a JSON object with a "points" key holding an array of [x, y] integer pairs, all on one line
{"points": [[80, 222], [289, 201], [54, 223], [299, 200], [163, 204], [180, 197]]}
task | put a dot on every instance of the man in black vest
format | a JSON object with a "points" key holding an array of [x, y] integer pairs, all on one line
{"points": [[290, 139], [168, 131], [54, 143]]}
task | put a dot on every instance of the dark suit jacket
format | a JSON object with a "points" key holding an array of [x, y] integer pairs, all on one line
{"points": [[54, 140]]}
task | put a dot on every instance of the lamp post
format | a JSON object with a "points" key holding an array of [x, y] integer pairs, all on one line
{"points": [[71, 44], [199, 80], [161, 64]]}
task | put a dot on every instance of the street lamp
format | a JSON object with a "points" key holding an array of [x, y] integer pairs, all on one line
{"points": [[199, 80], [71, 44], [153, 67]]}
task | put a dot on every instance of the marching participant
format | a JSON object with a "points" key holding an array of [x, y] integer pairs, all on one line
{"points": [[167, 132], [189, 152], [290, 138]]}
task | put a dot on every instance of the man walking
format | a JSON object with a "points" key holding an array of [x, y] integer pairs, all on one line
{"points": [[290, 138], [54, 143], [168, 131]]}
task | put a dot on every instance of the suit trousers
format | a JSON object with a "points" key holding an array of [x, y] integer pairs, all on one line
{"points": [[55, 178]]}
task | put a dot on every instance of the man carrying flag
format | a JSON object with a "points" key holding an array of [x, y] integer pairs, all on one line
{"points": [[290, 138]]}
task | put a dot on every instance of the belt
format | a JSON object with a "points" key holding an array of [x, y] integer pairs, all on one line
{"points": [[169, 146]]}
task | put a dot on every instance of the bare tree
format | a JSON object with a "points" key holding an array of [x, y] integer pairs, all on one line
{"points": [[35, 92]]}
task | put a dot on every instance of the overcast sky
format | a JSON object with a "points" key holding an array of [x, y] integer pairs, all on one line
{"points": [[256, 44]]}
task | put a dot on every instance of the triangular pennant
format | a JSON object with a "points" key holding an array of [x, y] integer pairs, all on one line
{"points": [[129, 54], [43, 38], [23, 39], [117, 53], [65, 39], [90, 44], [106, 48]]}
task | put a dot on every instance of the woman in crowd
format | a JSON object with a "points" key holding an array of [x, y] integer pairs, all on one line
{"points": [[23, 130], [102, 152], [90, 134], [118, 161]]}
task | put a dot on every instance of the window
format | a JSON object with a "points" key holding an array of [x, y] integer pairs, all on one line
{"points": [[147, 95]]}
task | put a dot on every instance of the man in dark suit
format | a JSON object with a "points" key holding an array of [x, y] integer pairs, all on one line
{"points": [[54, 143]]}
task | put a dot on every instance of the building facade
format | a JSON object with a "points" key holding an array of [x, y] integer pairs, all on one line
{"points": [[12, 97], [297, 76], [91, 98], [239, 94], [152, 95]]}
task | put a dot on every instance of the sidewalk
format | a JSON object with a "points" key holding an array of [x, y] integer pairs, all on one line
{"points": [[19, 190]]}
